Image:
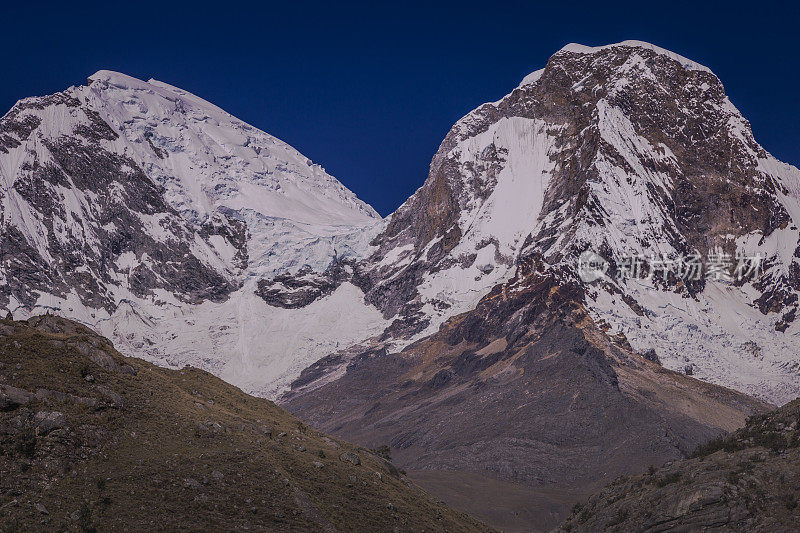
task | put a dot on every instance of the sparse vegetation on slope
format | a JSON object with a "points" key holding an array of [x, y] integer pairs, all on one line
{"points": [[94, 441], [748, 480]]}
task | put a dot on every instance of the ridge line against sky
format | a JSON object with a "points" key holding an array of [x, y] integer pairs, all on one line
{"points": [[369, 91]]}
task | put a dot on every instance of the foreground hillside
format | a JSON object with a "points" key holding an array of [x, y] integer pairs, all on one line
{"points": [[92, 440], [747, 481]]}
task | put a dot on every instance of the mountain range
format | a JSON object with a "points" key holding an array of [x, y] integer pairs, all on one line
{"points": [[462, 330]]}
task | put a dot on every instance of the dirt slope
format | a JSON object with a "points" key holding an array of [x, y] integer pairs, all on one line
{"points": [[91, 440]]}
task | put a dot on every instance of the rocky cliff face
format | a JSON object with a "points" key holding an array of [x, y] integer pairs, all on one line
{"points": [[635, 155]]}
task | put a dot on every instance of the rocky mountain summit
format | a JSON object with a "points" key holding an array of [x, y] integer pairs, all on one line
{"points": [[521, 373], [746, 481], [91, 440], [626, 151]]}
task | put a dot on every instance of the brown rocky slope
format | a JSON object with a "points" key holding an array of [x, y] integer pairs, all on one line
{"points": [[526, 394], [94, 441], [746, 481]]}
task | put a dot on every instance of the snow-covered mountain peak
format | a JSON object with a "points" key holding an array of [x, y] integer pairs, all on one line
{"points": [[150, 214], [575, 48], [660, 164], [207, 159], [117, 79], [626, 150]]}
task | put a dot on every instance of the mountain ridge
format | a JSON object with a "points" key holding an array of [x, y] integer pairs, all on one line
{"points": [[174, 241], [507, 181], [743, 481]]}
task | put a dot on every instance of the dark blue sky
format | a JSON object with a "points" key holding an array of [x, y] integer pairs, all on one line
{"points": [[370, 90]]}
